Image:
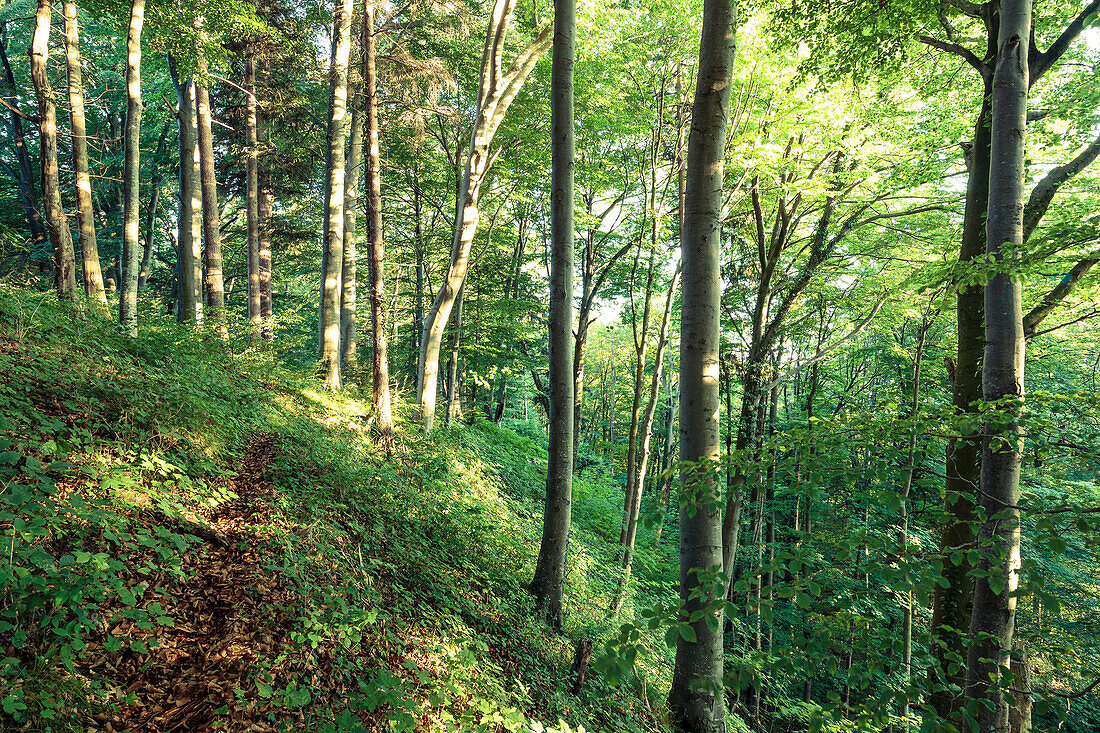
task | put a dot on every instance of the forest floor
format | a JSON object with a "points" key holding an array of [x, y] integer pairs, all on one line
{"points": [[203, 541]]}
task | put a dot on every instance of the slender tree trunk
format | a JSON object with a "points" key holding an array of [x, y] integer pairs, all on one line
{"points": [[497, 91], [93, 275], [189, 240], [994, 612], [349, 342], [696, 703], [452, 363], [266, 210], [252, 194], [151, 211], [27, 193], [211, 213], [333, 251], [380, 360], [56, 223], [418, 244], [548, 584], [131, 233]]}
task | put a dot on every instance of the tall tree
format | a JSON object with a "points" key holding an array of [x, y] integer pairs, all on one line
{"points": [[993, 617], [211, 212], [189, 221], [28, 196], [380, 357], [548, 584], [131, 230], [252, 193], [497, 89], [333, 248], [56, 223], [696, 700], [93, 274]]}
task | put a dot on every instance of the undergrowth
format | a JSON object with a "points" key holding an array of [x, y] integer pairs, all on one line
{"points": [[404, 566]]}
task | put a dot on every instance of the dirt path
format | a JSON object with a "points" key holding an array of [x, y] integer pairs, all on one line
{"points": [[232, 623]]}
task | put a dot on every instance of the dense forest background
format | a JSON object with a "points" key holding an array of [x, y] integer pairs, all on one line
{"points": [[354, 376]]}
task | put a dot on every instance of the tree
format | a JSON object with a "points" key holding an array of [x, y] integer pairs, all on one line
{"points": [[189, 235], [128, 288], [333, 248], [497, 89], [696, 700], [548, 584], [993, 617], [93, 275], [211, 212], [252, 193], [380, 359]]}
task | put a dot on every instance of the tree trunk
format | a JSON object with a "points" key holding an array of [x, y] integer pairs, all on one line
{"points": [[349, 343], [93, 275], [267, 205], [452, 388], [127, 298], [151, 211], [189, 240], [333, 248], [696, 703], [380, 360], [548, 584], [994, 612], [211, 214], [496, 93], [56, 223], [252, 194]]}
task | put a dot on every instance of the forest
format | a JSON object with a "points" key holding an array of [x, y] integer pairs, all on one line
{"points": [[476, 365]]}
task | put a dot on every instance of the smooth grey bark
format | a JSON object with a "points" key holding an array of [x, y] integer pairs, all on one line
{"points": [[696, 703], [548, 585], [211, 212], [497, 90], [267, 206], [131, 173], [349, 341], [252, 193], [93, 274], [189, 220], [993, 617], [56, 223], [333, 247], [380, 356]]}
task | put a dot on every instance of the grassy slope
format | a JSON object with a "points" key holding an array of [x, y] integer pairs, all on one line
{"points": [[393, 583]]}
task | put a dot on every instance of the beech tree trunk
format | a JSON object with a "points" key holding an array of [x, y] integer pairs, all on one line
{"points": [[994, 612], [151, 211], [333, 248], [267, 205], [548, 584], [380, 359], [189, 239], [497, 90], [131, 174], [56, 223], [696, 703], [211, 213], [252, 193], [349, 342], [93, 274]]}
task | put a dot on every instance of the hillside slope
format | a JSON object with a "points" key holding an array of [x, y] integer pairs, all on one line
{"points": [[205, 541]]}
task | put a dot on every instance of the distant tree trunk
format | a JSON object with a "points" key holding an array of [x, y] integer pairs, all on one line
{"points": [[696, 703], [93, 275], [349, 341], [252, 194], [418, 297], [994, 613], [27, 193], [380, 360], [497, 90], [211, 213], [131, 232], [267, 206], [151, 211], [548, 584], [646, 433], [333, 248], [1019, 715], [189, 240], [56, 223], [452, 363]]}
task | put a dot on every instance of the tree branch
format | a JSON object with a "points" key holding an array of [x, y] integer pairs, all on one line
{"points": [[1043, 193], [965, 53], [1046, 59]]}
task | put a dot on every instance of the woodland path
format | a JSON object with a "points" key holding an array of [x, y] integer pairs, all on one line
{"points": [[233, 621]]}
